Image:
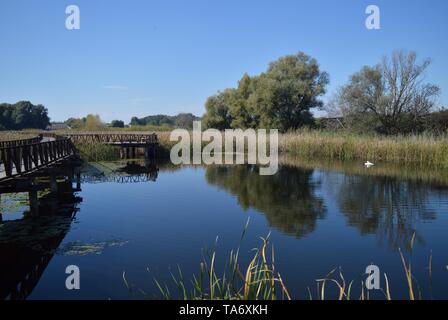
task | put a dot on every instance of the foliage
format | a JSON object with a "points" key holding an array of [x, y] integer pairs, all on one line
{"points": [[280, 98], [182, 120], [390, 97], [117, 124], [93, 122], [97, 152], [22, 115], [76, 123]]}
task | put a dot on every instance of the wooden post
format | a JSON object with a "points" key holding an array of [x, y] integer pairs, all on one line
{"points": [[53, 184], [78, 180], [34, 202]]}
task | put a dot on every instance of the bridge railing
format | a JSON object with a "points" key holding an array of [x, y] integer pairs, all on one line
{"points": [[20, 142], [113, 138], [22, 159]]}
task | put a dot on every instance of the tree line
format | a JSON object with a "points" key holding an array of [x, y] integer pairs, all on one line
{"points": [[23, 115], [390, 97], [94, 122], [182, 120]]}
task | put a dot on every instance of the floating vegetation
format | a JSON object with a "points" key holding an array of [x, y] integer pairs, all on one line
{"points": [[79, 248], [13, 203]]}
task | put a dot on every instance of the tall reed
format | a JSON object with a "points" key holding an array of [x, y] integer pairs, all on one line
{"points": [[97, 152], [260, 280], [421, 150]]}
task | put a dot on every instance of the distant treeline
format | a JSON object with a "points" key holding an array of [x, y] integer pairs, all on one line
{"points": [[94, 122], [182, 120], [23, 115]]}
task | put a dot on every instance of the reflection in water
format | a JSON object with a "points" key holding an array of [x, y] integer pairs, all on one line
{"points": [[385, 206], [171, 230], [27, 245], [287, 198]]}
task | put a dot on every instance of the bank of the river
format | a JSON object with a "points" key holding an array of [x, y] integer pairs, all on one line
{"points": [[420, 150], [423, 150]]}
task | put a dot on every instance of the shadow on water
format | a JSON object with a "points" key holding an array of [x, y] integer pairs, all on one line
{"points": [[28, 244]]}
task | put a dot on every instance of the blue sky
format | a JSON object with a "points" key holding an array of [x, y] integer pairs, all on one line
{"points": [[136, 58]]}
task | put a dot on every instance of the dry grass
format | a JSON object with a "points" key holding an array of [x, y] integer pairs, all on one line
{"points": [[16, 135], [421, 150]]}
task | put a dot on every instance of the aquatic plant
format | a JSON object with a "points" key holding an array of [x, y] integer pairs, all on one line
{"points": [[260, 280]]}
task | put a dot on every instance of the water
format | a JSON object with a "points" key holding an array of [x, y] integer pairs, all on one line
{"points": [[319, 216]]}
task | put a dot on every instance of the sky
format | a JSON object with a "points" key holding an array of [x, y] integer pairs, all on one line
{"points": [[137, 58]]}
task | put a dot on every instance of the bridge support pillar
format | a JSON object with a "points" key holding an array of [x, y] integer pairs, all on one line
{"points": [[53, 184], [34, 202], [78, 181], [150, 152]]}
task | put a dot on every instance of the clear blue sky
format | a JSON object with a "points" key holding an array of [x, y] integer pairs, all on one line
{"points": [[136, 58]]}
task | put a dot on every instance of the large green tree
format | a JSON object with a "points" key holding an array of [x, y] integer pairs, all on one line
{"points": [[280, 98], [23, 115]]}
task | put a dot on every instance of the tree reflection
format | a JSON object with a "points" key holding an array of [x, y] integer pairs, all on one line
{"points": [[387, 207], [287, 198]]}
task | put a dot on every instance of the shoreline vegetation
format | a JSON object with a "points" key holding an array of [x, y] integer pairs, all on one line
{"points": [[418, 151], [423, 150], [261, 280]]}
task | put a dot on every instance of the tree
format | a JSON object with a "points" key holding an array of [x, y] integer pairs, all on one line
{"points": [[217, 110], [390, 97], [23, 115], [117, 124], [185, 120], [93, 122], [76, 123], [287, 92], [280, 98]]}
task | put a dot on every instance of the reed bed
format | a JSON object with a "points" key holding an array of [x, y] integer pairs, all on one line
{"points": [[13, 135], [421, 150], [95, 152]]}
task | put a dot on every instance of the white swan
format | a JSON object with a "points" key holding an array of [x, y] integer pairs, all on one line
{"points": [[368, 164]]}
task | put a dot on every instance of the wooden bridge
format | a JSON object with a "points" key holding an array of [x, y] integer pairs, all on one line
{"points": [[21, 157], [129, 143]]}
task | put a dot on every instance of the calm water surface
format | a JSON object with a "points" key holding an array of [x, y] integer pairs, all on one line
{"points": [[319, 218]]}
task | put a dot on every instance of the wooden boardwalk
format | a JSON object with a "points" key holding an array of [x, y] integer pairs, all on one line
{"points": [[21, 157], [25, 156]]}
